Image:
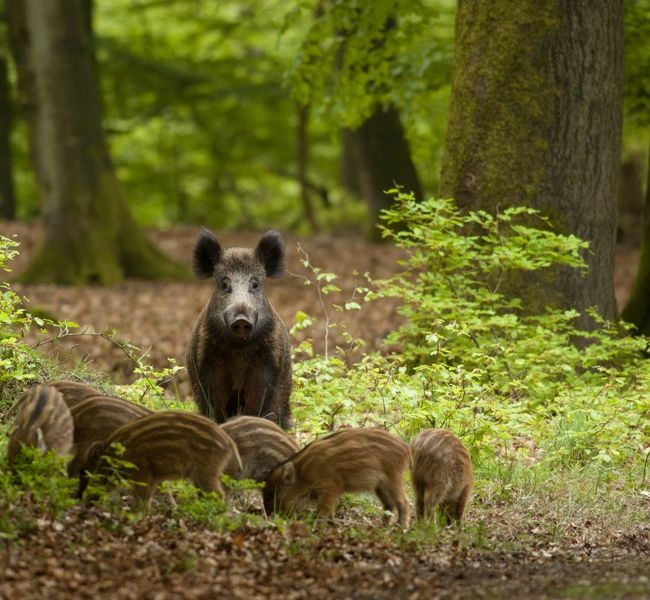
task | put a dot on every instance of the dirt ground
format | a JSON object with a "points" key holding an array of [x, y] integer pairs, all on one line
{"points": [[90, 555]]}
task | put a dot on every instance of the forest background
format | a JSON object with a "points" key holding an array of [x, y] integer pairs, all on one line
{"points": [[166, 115]]}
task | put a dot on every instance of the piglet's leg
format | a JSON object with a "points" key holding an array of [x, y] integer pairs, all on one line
{"points": [[327, 502], [391, 496], [420, 505]]}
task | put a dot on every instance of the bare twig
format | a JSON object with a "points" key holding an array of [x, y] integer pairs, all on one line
{"points": [[316, 283]]}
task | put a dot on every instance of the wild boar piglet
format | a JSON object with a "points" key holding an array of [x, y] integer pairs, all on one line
{"points": [[353, 460], [95, 419], [441, 471], [262, 446], [164, 446], [43, 421], [74, 391]]}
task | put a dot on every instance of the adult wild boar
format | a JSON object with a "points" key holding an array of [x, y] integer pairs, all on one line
{"points": [[239, 358]]}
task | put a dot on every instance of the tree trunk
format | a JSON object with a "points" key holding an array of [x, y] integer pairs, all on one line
{"points": [[302, 162], [348, 167], [89, 234], [637, 310], [7, 195], [631, 201], [377, 158], [535, 119]]}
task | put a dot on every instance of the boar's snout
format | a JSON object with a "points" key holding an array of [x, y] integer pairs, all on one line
{"points": [[240, 321], [241, 327]]}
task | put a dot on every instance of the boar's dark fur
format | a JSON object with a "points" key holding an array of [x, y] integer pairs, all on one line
{"points": [[239, 358]]}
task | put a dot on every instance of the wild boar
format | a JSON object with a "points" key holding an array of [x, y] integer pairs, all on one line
{"points": [[43, 421], [239, 358], [262, 446], [353, 460], [166, 445], [74, 391], [95, 419], [441, 471]]}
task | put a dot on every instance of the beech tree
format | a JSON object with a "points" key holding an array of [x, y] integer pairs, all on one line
{"points": [[535, 119], [356, 64], [376, 157], [89, 233]]}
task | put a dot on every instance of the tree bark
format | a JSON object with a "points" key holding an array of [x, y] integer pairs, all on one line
{"points": [[377, 158], [7, 194], [89, 233], [535, 119], [637, 310]]}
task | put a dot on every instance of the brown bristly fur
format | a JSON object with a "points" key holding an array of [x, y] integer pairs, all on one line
{"points": [[74, 391], [43, 420], [441, 472], [170, 445], [353, 460], [262, 446], [95, 419]]}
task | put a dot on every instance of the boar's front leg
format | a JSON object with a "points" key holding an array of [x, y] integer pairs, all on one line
{"points": [[260, 395], [211, 390]]}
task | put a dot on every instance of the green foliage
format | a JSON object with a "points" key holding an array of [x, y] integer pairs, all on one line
{"points": [[637, 61], [110, 479], [203, 125], [201, 103], [19, 363], [356, 56], [360, 54], [37, 484], [473, 361]]}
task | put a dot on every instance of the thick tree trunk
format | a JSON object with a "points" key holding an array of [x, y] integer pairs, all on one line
{"points": [[377, 158], [637, 310], [535, 119], [7, 195], [90, 235]]}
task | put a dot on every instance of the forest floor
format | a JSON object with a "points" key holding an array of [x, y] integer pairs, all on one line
{"points": [[518, 552]]}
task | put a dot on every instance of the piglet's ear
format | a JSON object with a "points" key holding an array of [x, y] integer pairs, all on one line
{"points": [[270, 252], [207, 253]]}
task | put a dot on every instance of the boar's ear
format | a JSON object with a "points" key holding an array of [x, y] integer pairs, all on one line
{"points": [[270, 252], [207, 253], [289, 473]]}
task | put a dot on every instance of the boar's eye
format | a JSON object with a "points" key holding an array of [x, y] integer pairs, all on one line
{"points": [[224, 285], [254, 284]]}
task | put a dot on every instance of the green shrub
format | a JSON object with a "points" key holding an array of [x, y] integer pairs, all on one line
{"points": [[471, 360], [36, 485]]}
